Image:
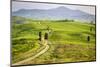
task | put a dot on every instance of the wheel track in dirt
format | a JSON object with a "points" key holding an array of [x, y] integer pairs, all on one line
{"points": [[33, 57]]}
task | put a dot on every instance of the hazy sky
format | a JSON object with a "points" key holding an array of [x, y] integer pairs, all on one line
{"points": [[30, 5]]}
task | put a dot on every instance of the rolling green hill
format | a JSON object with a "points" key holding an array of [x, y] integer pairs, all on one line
{"points": [[68, 40]]}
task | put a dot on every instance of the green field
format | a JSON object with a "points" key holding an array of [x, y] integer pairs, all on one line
{"points": [[67, 40]]}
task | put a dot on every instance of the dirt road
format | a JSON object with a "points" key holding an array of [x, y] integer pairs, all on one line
{"points": [[33, 57]]}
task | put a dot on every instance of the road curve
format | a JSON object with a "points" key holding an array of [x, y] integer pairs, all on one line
{"points": [[31, 58]]}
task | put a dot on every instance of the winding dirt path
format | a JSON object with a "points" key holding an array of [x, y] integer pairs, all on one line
{"points": [[31, 58]]}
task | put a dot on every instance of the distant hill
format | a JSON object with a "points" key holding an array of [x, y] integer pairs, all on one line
{"points": [[55, 13]]}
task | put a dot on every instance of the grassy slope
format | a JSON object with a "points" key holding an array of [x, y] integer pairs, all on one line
{"points": [[67, 40]]}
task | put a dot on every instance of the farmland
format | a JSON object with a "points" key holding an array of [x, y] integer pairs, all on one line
{"points": [[68, 40]]}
